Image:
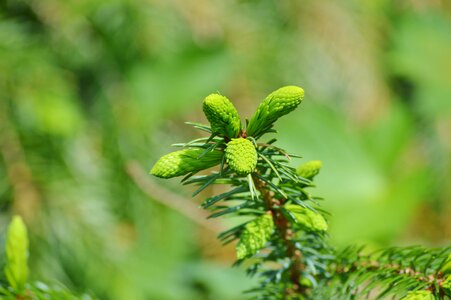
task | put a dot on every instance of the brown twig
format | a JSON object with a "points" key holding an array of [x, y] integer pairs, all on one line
{"points": [[170, 199], [26, 195], [286, 234]]}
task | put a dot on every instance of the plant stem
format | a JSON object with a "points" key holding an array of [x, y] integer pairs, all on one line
{"points": [[283, 226]]}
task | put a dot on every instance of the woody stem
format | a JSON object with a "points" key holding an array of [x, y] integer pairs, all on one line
{"points": [[286, 234]]}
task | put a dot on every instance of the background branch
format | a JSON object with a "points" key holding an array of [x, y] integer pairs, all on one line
{"points": [[26, 195], [171, 199]]}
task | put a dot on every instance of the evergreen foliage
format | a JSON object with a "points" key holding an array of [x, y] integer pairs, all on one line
{"points": [[285, 242], [403, 273]]}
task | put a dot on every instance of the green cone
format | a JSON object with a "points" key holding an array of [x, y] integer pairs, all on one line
{"points": [[241, 156], [307, 218], [16, 269], [276, 105], [310, 169], [185, 161], [222, 115], [419, 295], [255, 235]]}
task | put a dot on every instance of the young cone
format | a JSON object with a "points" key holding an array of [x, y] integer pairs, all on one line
{"points": [[307, 218], [222, 115], [254, 236], [16, 269], [276, 105], [241, 156], [185, 161], [310, 169]]}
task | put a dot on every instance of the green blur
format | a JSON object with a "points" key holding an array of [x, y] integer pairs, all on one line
{"points": [[93, 91]]}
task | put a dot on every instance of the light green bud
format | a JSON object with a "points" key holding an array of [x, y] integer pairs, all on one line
{"points": [[222, 115], [276, 105], [307, 218], [16, 269], [310, 169], [241, 156], [419, 295], [254, 236], [185, 161]]}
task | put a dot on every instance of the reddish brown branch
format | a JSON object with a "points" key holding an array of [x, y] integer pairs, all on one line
{"points": [[286, 233], [170, 199]]}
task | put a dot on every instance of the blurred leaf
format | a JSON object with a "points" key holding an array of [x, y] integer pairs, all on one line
{"points": [[16, 269], [422, 44]]}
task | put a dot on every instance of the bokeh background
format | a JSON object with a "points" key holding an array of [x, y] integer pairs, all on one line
{"points": [[92, 92]]}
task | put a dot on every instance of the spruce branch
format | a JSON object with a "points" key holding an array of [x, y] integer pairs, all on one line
{"points": [[286, 234], [265, 189], [284, 238], [399, 272]]}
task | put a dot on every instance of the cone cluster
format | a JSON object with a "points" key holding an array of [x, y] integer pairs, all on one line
{"points": [[254, 236], [240, 153]]}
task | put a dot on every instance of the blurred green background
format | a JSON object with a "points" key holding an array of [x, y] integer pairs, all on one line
{"points": [[92, 92]]}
